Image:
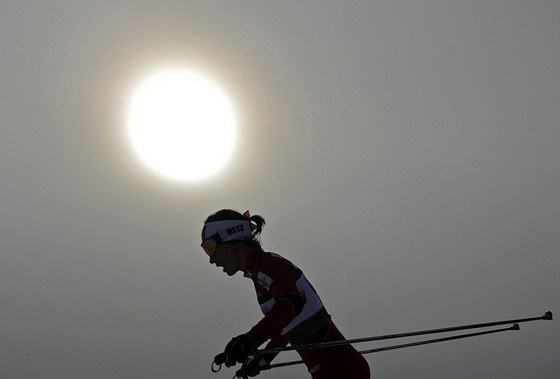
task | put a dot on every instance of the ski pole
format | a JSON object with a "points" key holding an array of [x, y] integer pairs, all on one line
{"points": [[546, 316], [401, 346]]}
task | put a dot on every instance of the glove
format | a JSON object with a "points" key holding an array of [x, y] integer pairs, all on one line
{"points": [[220, 359], [240, 347], [254, 365]]}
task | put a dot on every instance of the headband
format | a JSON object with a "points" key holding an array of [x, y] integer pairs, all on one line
{"points": [[228, 230]]}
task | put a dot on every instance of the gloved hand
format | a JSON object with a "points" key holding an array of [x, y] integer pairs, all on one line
{"points": [[240, 347], [220, 359], [254, 365]]}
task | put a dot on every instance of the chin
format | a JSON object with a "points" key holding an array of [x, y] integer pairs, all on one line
{"points": [[232, 273]]}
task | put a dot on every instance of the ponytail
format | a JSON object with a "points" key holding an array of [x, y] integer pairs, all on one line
{"points": [[258, 222]]}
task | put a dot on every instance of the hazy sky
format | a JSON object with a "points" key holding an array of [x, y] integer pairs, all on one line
{"points": [[404, 153]]}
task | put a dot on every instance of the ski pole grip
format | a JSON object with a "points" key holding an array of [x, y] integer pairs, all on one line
{"points": [[547, 316]]}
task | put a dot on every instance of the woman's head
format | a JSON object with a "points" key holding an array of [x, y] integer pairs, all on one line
{"points": [[225, 236], [230, 214]]}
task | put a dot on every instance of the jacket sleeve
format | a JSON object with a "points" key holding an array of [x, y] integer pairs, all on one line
{"points": [[277, 341], [288, 304]]}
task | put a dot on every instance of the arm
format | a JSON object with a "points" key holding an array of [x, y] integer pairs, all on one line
{"points": [[288, 305]]}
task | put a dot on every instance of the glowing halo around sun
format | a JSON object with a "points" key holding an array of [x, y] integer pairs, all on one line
{"points": [[181, 124]]}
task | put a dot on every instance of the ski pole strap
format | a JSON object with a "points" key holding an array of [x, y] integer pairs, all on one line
{"points": [[215, 367], [546, 316]]}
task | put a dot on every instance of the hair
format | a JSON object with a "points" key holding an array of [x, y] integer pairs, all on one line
{"points": [[257, 221]]}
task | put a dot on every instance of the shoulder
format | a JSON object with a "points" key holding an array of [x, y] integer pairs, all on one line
{"points": [[276, 266], [275, 274], [273, 261], [273, 266]]}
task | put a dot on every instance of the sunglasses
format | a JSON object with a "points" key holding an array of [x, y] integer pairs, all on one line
{"points": [[210, 244]]}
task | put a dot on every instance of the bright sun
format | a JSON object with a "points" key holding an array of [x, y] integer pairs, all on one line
{"points": [[181, 124]]}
